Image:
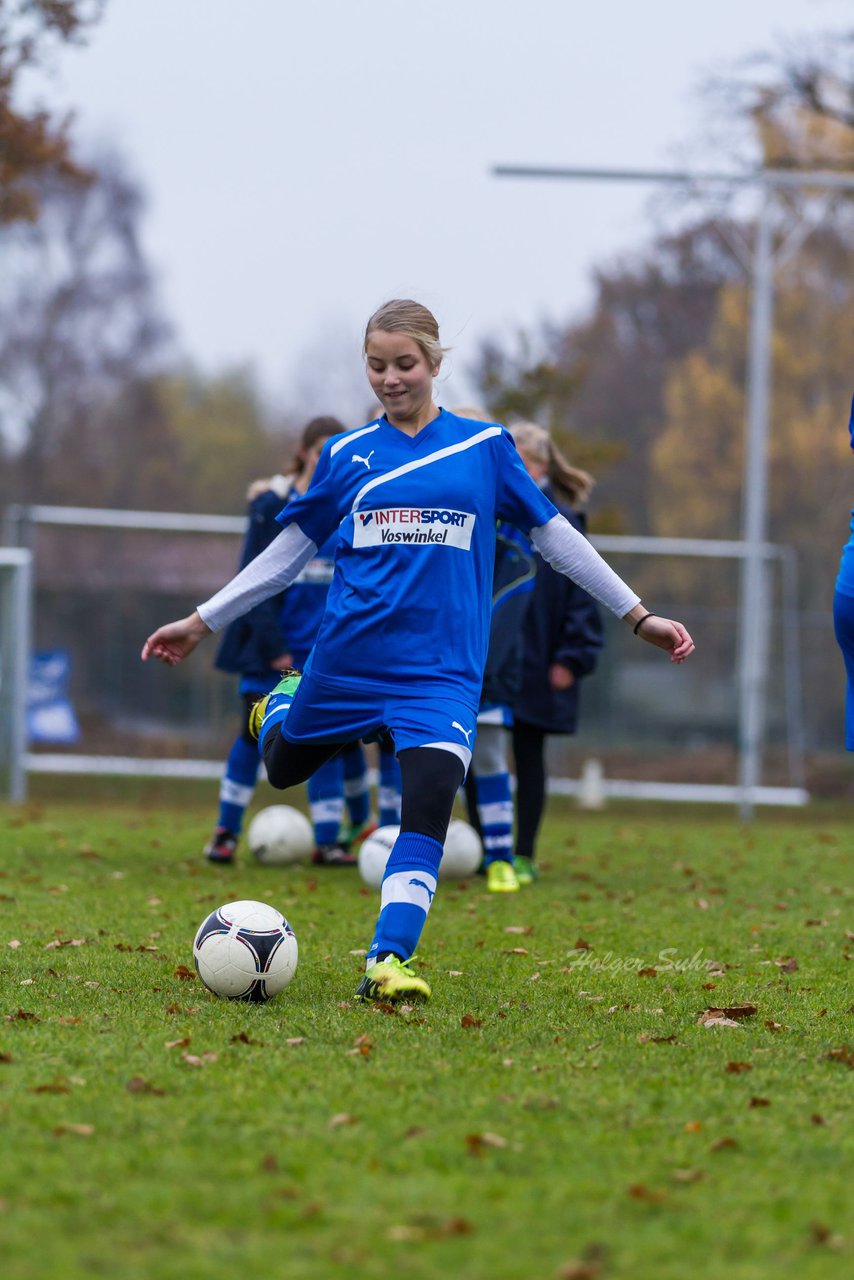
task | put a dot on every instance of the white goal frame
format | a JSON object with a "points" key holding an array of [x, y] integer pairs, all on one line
{"points": [[15, 633], [22, 523]]}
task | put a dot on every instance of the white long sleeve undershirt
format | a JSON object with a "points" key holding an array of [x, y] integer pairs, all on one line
{"points": [[562, 546], [274, 569], [568, 551]]}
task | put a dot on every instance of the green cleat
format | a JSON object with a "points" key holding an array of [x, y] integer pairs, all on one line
{"points": [[392, 979], [287, 686], [526, 872], [355, 833], [501, 878]]}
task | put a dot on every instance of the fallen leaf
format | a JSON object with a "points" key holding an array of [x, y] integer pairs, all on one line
{"points": [[652, 1195], [759, 1102], [78, 1130], [528, 929], [477, 1141], [294, 1041], [199, 1060], [13, 944], [22, 1015], [269, 1163], [715, 1018], [687, 1175], [736, 1068], [577, 1270], [185, 974], [467, 1020], [815, 1118], [177, 1044], [722, 1144], [845, 1055], [137, 1085], [788, 965], [341, 1117]]}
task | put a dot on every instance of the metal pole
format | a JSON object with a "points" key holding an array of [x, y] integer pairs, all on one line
{"points": [[753, 613]]}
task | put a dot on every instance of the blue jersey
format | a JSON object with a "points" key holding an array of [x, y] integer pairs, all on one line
{"points": [[414, 520], [845, 578]]}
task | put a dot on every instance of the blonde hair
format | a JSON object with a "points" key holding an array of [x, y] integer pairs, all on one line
{"points": [[571, 483], [474, 412], [402, 315]]}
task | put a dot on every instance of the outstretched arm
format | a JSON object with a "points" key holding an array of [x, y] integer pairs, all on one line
{"points": [[175, 640], [569, 552], [271, 571]]}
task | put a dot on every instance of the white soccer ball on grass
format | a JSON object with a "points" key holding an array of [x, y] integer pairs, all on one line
{"points": [[463, 851], [279, 835], [374, 854], [245, 951], [461, 856]]}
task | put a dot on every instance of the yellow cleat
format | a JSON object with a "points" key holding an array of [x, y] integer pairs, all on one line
{"points": [[501, 878], [391, 980], [287, 686]]}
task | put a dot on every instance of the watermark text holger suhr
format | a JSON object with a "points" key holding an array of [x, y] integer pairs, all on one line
{"points": [[667, 961]]}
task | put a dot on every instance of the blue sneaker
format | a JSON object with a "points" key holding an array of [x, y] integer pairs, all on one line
{"points": [[283, 693]]}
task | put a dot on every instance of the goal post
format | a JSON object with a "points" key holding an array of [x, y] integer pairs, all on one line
{"points": [[15, 630]]}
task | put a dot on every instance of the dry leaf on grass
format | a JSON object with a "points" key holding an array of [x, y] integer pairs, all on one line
{"points": [[138, 1085], [477, 1141], [340, 1118]]}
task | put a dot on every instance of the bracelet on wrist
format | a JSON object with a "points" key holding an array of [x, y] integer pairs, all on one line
{"points": [[636, 627]]}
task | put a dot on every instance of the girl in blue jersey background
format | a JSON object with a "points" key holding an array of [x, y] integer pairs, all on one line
{"points": [[271, 638], [415, 498], [843, 614]]}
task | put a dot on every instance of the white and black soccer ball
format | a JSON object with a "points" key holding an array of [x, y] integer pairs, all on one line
{"points": [[279, 835], [374, 854], [463, 851], [245, 951]]}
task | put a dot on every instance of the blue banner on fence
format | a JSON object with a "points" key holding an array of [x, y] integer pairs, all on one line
{"points": [[50, 715]]}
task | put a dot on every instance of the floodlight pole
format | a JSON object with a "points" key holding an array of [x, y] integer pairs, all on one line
{"points": [[754, 603]]}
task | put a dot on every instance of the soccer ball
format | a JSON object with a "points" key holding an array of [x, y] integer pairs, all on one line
{"points": [[460, 858], [374, 853], [245, 951], [463, 851], [279, 835]]}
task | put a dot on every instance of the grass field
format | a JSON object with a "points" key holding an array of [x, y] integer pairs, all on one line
{"points": [[557, 1110]]}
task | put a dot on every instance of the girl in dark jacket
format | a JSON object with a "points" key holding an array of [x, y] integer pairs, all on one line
{"points": [[562, 637]]}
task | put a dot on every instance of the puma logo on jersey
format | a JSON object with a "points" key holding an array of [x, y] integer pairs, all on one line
{"points": [[424, 886], [465, 732], [357, 457]]}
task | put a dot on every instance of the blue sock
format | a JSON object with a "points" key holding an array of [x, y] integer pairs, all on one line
{"points": [[238, 784], [408, 887], [326, 800], [388, 799], [495, 810], [356, 791]]}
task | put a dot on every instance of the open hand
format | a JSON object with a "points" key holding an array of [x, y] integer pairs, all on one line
{"points": [[175, 640]]}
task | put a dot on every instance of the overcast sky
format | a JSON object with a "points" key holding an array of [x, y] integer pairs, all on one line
{"points": [[304, 162]]}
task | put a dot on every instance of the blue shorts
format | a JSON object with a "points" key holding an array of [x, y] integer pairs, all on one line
{"points": [[325, 710]]}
